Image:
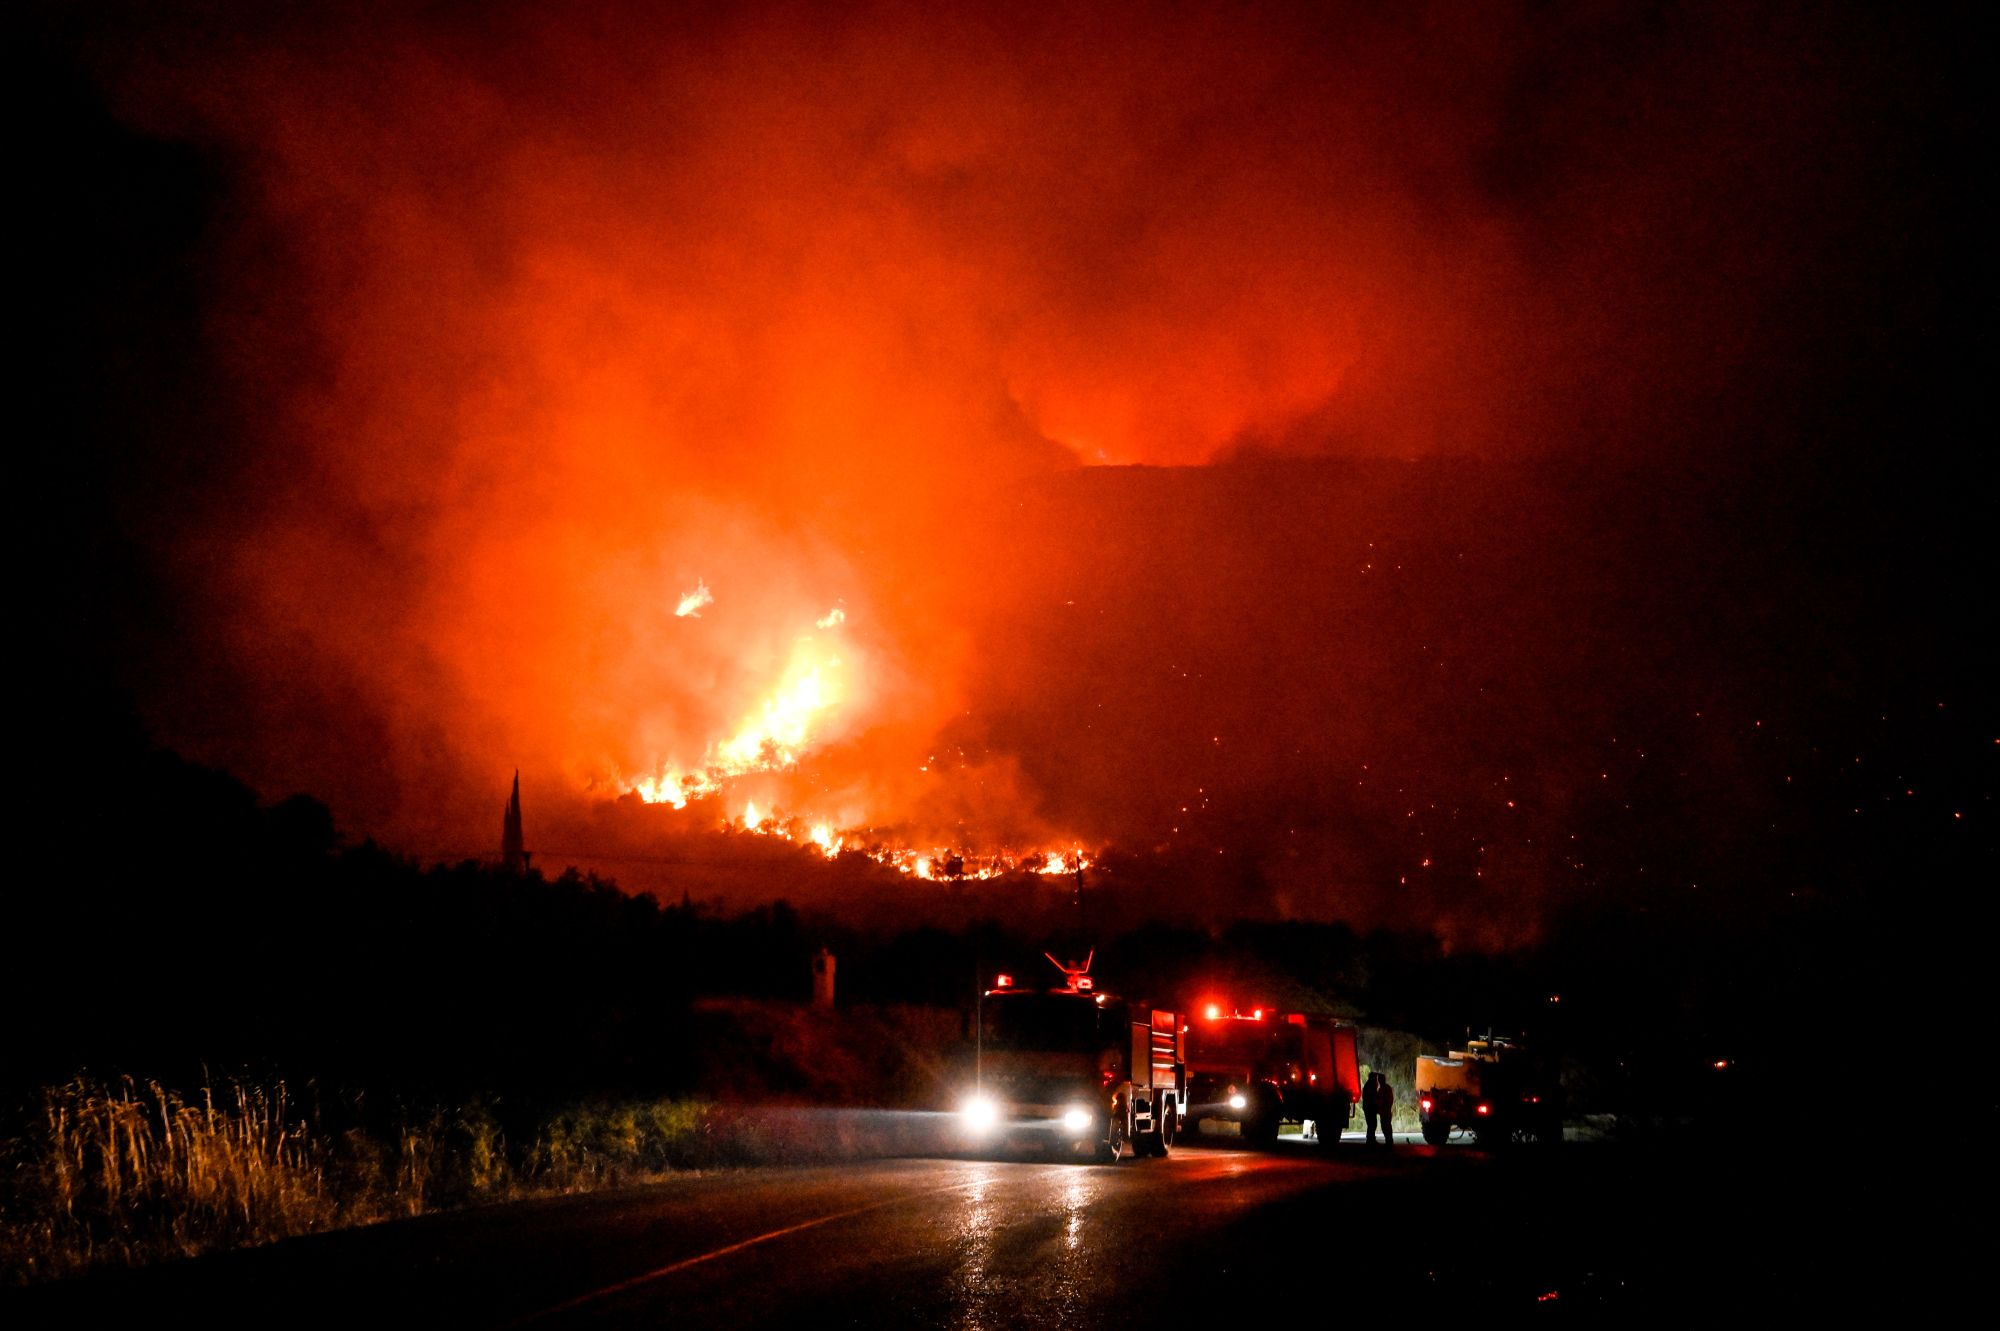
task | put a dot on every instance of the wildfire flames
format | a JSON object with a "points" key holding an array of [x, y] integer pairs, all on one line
{"points": [[935, 865], [796, 712], [691, 604], [776, 731]]}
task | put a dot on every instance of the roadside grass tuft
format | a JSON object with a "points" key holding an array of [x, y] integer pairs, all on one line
{"points": [[127, 1173]]}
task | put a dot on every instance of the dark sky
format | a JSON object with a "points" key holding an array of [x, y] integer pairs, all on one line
{"points": [[1365, 428]]}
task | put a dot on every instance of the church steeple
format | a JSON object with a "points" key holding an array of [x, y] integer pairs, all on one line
{"points": [[513, 856]]}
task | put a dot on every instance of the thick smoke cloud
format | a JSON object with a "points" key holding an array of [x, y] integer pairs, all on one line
{"points": [[530, 318]]}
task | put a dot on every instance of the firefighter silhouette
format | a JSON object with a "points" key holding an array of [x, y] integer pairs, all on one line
{"points": [[1378, 1101]]}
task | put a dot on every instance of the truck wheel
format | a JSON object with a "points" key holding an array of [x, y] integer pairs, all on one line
{"points": [[1160, 1138], [1116, 1134], [1437, 1134], [1168, 1124]]}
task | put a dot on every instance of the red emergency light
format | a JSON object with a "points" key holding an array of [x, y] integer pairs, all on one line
{"points": [[1213, 1011], [1426, 1103], [1003, 981], [1257, 1014], [1486, 1109]]}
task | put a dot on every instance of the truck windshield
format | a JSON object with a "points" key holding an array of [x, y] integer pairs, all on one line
{"points": [[1040, 1021]]}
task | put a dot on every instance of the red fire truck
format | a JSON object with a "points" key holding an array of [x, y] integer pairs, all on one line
{"points": [[1075, 1070], [1262, 1068]]}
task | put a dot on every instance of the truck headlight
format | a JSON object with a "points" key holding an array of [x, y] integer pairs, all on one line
{"points": [[1238, 1102], [980, 1113], [1076, 1120]]}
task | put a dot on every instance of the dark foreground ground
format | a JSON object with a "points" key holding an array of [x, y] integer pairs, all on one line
{"points": [[1213, 1231]]}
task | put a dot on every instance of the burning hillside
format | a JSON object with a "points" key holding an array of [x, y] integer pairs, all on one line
{"points": [[842, 426]]}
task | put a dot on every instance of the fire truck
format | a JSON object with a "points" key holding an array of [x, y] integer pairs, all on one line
{"points": [[1495, 1089], [1075, 1071], [1265, 1068]]}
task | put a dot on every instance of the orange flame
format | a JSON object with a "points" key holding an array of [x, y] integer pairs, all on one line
{"points": [[692, 602]]}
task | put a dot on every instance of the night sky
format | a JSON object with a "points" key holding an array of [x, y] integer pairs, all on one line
{"points": [[1415, 465]]}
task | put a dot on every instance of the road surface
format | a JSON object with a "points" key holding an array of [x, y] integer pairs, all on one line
{"points": [[1213, 1231]]}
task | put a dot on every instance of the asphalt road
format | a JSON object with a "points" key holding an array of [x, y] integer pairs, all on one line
{"points": [[1214, 1231]]}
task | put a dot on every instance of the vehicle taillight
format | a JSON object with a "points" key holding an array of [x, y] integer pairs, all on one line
{"points": [[1111, 1075], [1485, 1109]]}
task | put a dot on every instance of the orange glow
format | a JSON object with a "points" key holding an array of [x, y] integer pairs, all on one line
{"points": [[708, 353], [699, 407]]}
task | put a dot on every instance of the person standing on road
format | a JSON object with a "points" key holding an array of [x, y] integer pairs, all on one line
{"points": [[1378, 1101]]}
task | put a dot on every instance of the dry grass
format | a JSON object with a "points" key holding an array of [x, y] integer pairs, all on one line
{"points": [[128, 1174], [132, 1173]]}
